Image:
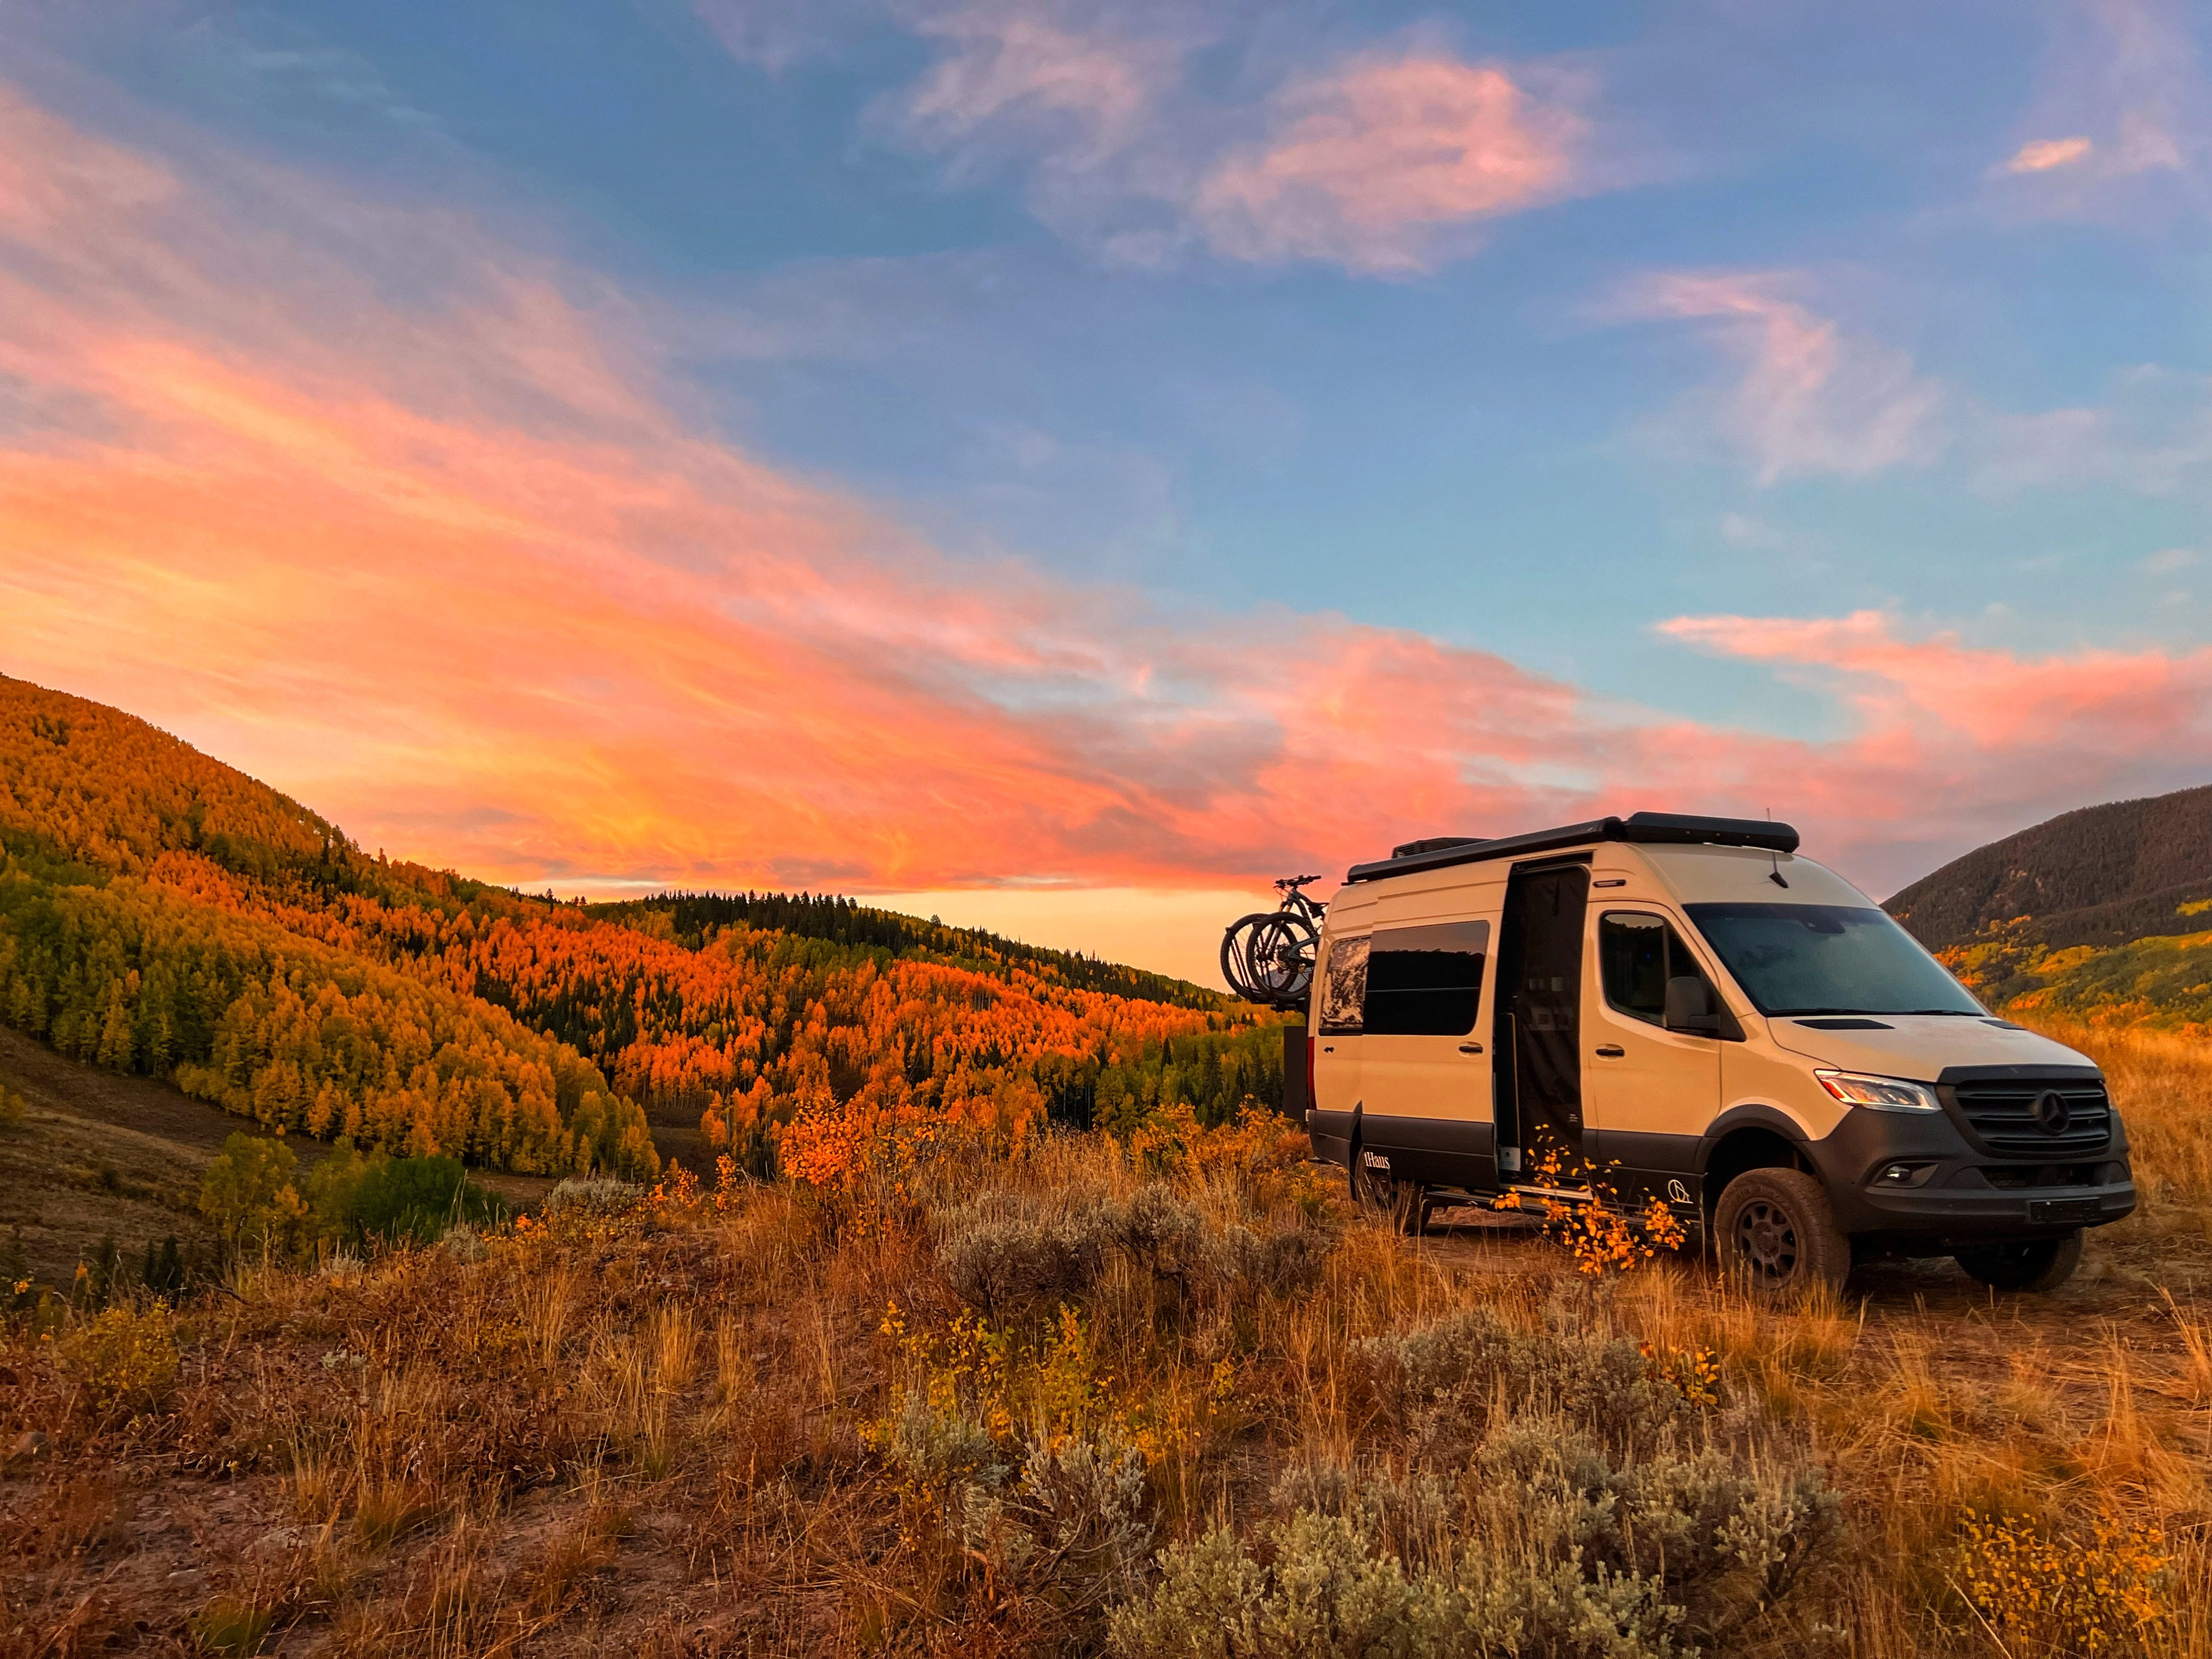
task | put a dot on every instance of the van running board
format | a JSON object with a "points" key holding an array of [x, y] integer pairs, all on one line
{"points": [[1565, 1194]]}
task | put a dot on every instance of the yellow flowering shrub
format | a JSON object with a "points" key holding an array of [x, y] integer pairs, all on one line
{"points": [[2042, 1594], [121, 1356]]}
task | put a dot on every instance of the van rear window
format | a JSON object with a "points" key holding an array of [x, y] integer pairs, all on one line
{"points": [[1344, 986], [1828, 959]]}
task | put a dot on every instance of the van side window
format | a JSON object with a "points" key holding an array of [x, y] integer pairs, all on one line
{"points": [[1637, 955], [1426, 981], [1344, 986]]}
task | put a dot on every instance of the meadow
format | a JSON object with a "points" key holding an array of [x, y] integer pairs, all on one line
{"points": [[1163, 1394]]}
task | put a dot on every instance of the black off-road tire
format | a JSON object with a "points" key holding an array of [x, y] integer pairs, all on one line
{"points": [[2039, 1265], [1775, 1234], [1403, 1204]]}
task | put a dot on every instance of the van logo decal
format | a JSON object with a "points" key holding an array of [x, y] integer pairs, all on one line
{"points": [[1677, 1192], [2051, 1113], [1375, 1160]]}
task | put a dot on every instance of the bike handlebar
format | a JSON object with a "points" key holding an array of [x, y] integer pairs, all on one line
{"points": [[1291, 883]]}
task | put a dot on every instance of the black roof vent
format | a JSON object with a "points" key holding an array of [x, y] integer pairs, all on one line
{"points": [[1434, 843], [1674, 829]]}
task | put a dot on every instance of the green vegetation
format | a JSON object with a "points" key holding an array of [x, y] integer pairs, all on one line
{"points": [[165, 916], [250, 1197]]}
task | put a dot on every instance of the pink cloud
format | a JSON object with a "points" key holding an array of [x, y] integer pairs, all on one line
{"points": [[2122, 81], [460, 574], [1380, 165], [1811, 398], [2042, 154], [1013, 60]]}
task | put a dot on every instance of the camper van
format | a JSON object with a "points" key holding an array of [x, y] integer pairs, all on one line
{"points": [[1683, 1008]]}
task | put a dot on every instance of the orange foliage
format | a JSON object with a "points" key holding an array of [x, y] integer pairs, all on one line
{"points": [[163, 914]]}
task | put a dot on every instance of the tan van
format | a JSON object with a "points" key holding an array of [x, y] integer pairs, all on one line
{"points": [[1683, 1007]]}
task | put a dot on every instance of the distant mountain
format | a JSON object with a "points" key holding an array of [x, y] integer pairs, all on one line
{"points": [[163, 915], [2103, 876], [2105, 912]]}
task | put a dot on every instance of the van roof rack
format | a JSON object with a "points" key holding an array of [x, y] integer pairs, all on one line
{"points": [[1676, 829]]}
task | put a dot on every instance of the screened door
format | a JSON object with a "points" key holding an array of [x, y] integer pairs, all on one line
{"points": [[1539, 1013]]}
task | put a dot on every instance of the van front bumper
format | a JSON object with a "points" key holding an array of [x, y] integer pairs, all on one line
{"points": [[1910, 1180]]}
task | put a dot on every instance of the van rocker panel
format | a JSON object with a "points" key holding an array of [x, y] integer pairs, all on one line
{"points": [[1436, 1151]]}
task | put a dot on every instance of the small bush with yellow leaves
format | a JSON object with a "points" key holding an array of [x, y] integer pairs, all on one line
{"points": [[121, 1356]]}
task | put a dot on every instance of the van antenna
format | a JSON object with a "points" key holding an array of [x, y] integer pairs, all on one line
{"points": [[1775, 875]]}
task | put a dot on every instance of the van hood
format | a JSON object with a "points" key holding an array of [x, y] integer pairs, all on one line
{"points": [[1918, 1046]]}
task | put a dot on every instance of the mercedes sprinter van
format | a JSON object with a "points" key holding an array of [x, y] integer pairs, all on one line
{"points": [[1684, 1008]]}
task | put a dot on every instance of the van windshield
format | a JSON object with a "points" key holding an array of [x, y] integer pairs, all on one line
{"points": [[1828, 959]]}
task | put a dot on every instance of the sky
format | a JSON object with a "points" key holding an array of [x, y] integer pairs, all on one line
{"points": [[1060, 467]]}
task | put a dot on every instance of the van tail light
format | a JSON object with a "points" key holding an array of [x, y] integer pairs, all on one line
{"points": [[1309, 1068]]}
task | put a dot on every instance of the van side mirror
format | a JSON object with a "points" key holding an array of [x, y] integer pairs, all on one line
{"points": [[1689, 1006]]}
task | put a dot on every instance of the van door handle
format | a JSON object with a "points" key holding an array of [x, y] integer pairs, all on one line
{"points": [[1610, 1051], [1470, 1048]]}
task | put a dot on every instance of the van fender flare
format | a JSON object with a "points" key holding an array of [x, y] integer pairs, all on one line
{"points": [[1751, 1114]]}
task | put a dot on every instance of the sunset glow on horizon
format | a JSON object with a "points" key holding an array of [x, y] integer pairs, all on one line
{"points": [[514, 548]]}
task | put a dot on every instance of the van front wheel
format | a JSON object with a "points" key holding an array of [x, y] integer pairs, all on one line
{"points": [[2042, 1264], [1777, 1233]]}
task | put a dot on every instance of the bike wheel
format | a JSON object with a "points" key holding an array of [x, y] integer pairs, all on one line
{"points": [[1282, 953], [1238, 965]]}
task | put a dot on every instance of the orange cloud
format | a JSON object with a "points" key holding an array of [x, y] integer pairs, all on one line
{"points": [[456, 569], [1374, 166]]}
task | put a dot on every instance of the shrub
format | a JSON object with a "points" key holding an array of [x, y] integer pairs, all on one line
{"points": [[1065, 1523], [246, 1193], [12, 1109], [359, 1202], [591, 1196], [1444, 1385], [1547, 1549], [2110, 1593], [1008, 1252], [121, 1356], [1012, 1264]]}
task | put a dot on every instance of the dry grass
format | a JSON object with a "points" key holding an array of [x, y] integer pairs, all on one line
{"points": [[681, 1430]]}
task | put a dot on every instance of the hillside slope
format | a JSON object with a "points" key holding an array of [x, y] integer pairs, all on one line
{"points": [[2101, 876], [2098, 915], [161, 914]]}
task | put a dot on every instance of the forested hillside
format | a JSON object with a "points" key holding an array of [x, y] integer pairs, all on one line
{"points": [[162, 913], [2101, 876], [2097, 914]]}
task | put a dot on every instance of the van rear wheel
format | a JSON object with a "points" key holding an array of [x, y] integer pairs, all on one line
{"points": [[2042, 1264], [1403, 1204], [1777, 1236]]}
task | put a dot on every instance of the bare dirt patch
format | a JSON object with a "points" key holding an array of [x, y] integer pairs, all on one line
{"points": [[101, 1156]]}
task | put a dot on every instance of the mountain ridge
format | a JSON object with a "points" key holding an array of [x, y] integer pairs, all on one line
{"points": [[2103, 913], [162, 913]]}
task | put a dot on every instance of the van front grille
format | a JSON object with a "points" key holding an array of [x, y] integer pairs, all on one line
{"points": [[2010, 1117]]}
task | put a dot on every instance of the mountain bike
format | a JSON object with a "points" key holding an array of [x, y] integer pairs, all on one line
{"points": [[1269, 956]]}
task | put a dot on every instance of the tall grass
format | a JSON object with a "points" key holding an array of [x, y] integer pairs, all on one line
{"points": [[1146, 1396]]}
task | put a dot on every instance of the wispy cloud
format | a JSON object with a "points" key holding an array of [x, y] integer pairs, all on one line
{"points": [[2152, 435], [445, 560], [2122, 106], [2042, 154], [1811, 398], [1385, 163]]}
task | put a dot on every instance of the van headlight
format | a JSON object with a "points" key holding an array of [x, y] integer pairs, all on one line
{"points": [[1884, 1094]]}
